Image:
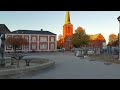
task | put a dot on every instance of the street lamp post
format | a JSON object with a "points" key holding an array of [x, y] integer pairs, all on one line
{"points": [[2, 63], [119, 37]]}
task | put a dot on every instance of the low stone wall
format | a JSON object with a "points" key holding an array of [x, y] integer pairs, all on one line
{"points": [[42, 64]]}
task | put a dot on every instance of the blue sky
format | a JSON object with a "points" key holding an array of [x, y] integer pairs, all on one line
{"points": [[104, 22]]}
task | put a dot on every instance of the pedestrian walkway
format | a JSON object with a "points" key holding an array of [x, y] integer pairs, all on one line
{"points": [[68, 66]]}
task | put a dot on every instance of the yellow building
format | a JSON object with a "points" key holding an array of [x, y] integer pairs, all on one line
{"points": [[97, 40]]}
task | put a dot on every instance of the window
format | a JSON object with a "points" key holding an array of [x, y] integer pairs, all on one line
{"points": [[26, 47], [34, 39], [52, 46], [43, 39], [27, 38], [33, 46], [8, 46], [43, 46], [52, 39], [19, 48]]}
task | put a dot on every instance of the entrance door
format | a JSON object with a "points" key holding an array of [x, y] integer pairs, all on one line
{"points": [[67, 43]]}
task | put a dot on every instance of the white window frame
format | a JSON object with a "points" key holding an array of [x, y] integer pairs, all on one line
{"points": [[33, 44], [27, 38], [52, 47], [43, 39], [42, 46], [34, 38], [52, 39], [26, 47]]}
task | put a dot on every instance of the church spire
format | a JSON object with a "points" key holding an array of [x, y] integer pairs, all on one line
{"points": [[67, 18]]}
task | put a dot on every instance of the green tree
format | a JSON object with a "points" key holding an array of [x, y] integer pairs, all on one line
{"points": [[80, 37]]}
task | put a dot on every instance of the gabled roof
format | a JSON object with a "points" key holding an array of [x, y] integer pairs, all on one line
{"points": [[97, 37], [92, 37], [32, 32], [4, 29]]}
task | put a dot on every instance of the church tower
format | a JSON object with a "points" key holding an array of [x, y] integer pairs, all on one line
{"points": [[67, 32]]}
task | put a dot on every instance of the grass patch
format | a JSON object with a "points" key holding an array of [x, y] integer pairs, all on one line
{"points": [[106, 58]]}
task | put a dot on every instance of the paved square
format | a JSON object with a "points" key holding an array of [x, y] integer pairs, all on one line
{"points": [[69, 66]]}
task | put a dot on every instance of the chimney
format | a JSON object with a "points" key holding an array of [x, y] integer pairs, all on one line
{"points": [[41, 29]]}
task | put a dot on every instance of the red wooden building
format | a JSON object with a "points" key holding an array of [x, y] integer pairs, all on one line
{"points": [[38, 40]]}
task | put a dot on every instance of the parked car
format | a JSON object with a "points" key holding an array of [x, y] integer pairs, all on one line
{"points": [[90, 52], [79, 52]]}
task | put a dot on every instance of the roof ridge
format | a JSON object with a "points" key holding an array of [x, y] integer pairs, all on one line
{"points": [[33, 32]]}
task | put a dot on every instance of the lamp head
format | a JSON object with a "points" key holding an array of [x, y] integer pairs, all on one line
{"points": [[118, 18]]}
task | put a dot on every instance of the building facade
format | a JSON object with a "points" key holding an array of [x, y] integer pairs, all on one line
{"points": [[97, 43], [38, 40], [67, 32]]}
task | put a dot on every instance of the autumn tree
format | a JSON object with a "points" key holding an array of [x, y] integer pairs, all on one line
{"points": [[60, 41], [79, 29], [80, 37], [114, 43], [16, 42], [112, 38]]}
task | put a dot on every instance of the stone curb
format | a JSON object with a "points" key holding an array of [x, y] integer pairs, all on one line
{"points": [[26, 69]]}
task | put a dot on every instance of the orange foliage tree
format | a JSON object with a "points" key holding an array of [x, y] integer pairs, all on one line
{"points": [[112, 38], [16, 42], [114, 43]]}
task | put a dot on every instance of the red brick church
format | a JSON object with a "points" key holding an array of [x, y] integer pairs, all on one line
{"points": [[95, 40], [67, 32]]}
